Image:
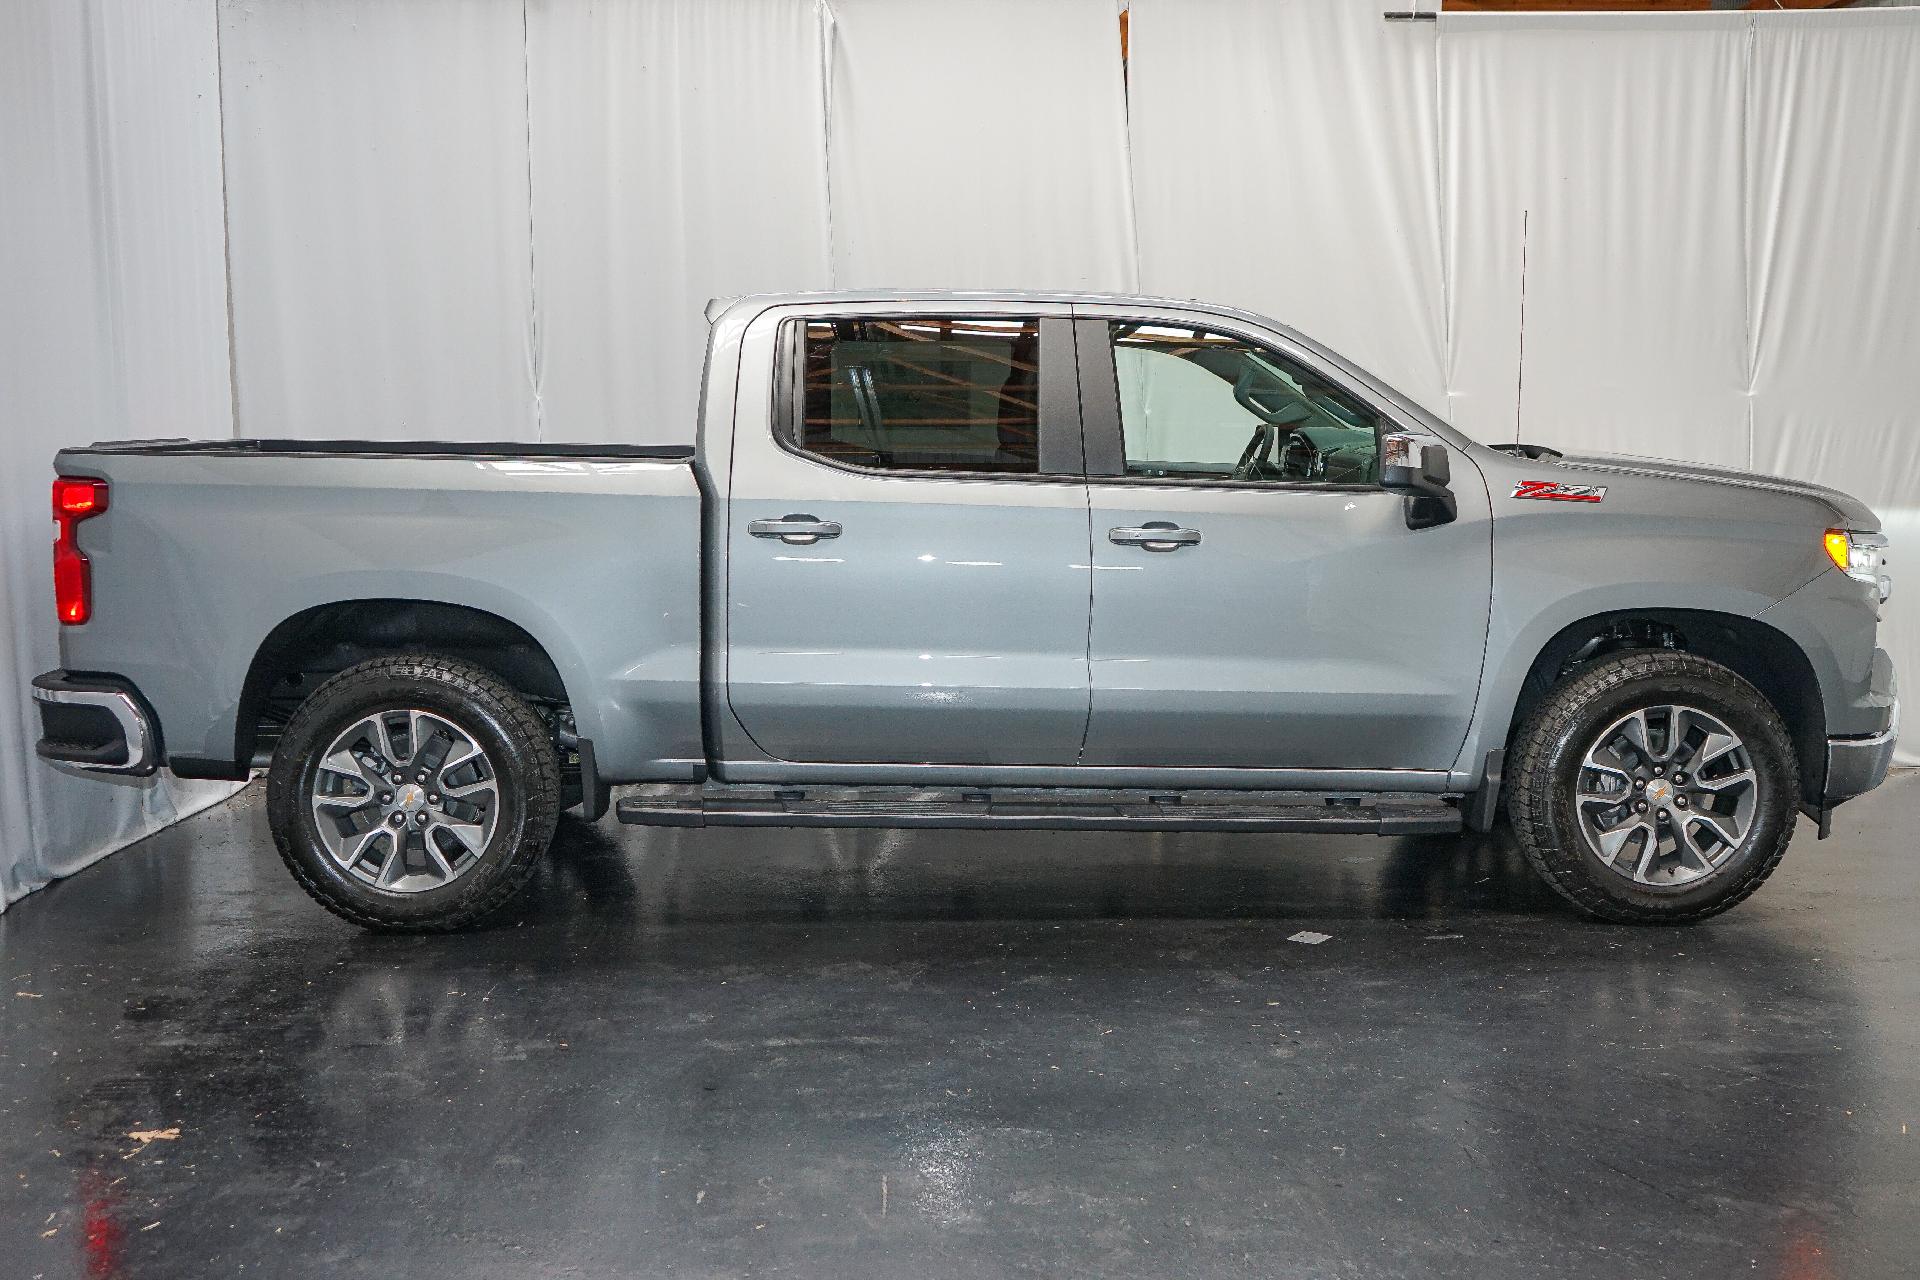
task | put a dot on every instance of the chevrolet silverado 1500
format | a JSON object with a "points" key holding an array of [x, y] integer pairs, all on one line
{"points": [[978, 560]]}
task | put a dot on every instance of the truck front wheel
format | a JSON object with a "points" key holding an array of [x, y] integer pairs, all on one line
{"points": [[1653, 786], [413, 794]]}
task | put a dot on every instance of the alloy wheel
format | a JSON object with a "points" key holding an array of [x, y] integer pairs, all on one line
{"points": [[1666, 795], [405, 800]]}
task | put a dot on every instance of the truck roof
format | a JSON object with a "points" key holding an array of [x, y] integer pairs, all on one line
{"points": [[718, 307]]}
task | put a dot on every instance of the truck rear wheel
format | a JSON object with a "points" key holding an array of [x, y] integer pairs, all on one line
{"points": [[1653, 787], [413, 794]]}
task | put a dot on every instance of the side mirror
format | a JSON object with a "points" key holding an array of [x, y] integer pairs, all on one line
{"points": [[1410, 466]]}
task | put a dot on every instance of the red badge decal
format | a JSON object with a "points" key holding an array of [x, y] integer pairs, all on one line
{"points": [[1554, 491]]}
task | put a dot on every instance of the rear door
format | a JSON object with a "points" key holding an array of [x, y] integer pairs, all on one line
{"points": [[1258, 599], [907, 540]]}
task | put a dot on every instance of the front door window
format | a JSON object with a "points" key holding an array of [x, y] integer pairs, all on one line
{"points": [[1197, 405]]}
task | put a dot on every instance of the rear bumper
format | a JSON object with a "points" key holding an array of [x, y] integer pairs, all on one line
{"points": [[1858, 765], [97, 724]]}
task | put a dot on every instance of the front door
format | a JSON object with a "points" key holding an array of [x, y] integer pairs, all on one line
{"points": [[1258, 600], [907, 560]]}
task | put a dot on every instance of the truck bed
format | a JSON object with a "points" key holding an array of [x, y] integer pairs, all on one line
{"points": [[212, 552], [385, 448]]}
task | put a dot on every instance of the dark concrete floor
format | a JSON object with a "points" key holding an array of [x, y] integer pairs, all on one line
{"points": [[929, 1054]]}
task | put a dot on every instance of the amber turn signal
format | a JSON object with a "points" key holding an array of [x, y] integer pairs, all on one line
{"points": [[1839, 549]]}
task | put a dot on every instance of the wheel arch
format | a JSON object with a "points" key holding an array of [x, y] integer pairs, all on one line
{"points": [[308, 646], [1765, 657]]}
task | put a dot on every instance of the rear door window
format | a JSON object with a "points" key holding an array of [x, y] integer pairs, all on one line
{"points": [[936, 393]]}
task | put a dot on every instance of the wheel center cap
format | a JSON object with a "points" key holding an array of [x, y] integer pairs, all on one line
{"points": [[1659, 791], [410, 798]]}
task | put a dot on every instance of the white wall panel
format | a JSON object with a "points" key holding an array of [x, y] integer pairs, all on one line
{"points": [[1835, 228], [980, 145], [112, 323], [1834, 224], [1597, 158], [1284, 160], [678, 155], [377, 207]]}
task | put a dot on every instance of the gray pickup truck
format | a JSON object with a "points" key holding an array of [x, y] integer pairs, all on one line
{"points": [[979, 560]]}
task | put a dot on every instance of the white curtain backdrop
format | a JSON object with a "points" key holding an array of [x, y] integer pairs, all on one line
{"points": [[1284, 156], [377, 212], [676, 157], [113, 322], [978, 145], [1695, 236], [1592, 185]]}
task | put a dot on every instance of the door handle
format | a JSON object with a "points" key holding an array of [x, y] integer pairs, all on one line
{"points": [[1155, 535], [795, 530]]}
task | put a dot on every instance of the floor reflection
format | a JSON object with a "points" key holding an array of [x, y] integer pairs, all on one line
{"points": [[942, 1053], [669, 876]]}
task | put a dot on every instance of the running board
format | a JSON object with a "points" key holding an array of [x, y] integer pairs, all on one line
{"points": [[1038, 809]]}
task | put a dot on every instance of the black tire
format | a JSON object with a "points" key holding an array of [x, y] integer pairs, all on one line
{"points": [[1547, 761], [519, 751]]}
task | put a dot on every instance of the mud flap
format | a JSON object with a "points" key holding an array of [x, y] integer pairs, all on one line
{"points": [[1485, 805]]}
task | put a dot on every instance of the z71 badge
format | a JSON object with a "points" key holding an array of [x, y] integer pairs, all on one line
{"points": [[1553, 491]]}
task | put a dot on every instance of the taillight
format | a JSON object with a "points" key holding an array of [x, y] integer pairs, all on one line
{"points": [[74, 500]]}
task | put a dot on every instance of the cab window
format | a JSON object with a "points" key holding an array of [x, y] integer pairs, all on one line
{"points": [[1201, 405], [936, 393]]}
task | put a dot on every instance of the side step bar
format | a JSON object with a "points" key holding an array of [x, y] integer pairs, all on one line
{"points": [[1038, 809]]}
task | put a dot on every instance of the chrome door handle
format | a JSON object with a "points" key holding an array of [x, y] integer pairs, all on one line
{"points": [[1155, 535], [795, 530]]}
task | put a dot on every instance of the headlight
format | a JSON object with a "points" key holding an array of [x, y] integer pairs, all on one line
{"points": [[1861, 556]]}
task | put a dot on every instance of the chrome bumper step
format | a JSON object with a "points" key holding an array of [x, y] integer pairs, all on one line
{"points": [[96, 724], [1038, 809]]}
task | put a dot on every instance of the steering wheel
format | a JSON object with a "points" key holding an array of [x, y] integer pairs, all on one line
{"points": [[1258, 446], [1300, 459]]}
